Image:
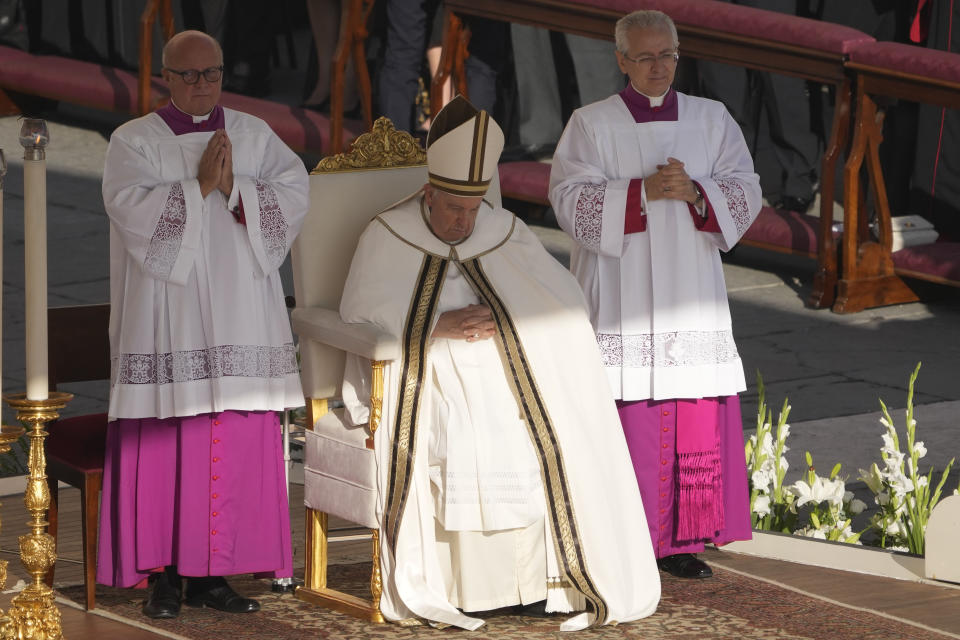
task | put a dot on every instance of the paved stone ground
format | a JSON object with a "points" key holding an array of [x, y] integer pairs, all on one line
{"points": [[833, 368]]}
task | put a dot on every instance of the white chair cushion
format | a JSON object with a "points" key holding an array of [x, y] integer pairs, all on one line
{"points": [[340, 472]]}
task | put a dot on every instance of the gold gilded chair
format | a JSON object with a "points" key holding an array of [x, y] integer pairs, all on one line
{"points": [[346, 192]]}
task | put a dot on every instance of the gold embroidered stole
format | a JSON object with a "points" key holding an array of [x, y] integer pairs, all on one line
{"points": [[542, 432], [416, 338]]}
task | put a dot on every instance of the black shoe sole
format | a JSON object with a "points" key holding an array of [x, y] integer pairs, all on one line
{"points": [[206, 605]]}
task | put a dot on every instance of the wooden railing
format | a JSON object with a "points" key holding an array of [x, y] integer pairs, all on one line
{"points": [[153, 10]]}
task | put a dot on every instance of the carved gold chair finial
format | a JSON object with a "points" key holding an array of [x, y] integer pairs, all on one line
{"points": [[380, 148]]}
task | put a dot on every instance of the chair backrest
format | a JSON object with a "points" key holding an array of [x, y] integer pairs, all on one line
{"points": [[79, 348], [346, 192]]}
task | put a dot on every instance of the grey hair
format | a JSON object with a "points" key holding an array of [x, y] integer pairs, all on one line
{"points": [[174, 42], [643, 19]]}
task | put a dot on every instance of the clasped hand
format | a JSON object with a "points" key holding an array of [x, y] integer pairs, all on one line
{"points": [[471, 323], [670, 182], [216, 165]]}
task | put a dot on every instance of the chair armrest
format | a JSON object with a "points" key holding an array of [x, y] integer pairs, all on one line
{"points": [[362, 338]]}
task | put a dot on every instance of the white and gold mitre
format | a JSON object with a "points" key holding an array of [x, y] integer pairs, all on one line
{"points": [[463, 148]]}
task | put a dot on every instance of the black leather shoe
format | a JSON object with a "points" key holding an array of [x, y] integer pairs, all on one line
{"points": [[684, 565], [214, 592], [163, 601]]}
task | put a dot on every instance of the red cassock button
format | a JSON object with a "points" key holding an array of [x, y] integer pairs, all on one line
{"points": [[216, 513], [216, 441], [215, 496], [666, 413], [218, 459], [216, 422], [218, 477], [214, 532], [661, 462]]}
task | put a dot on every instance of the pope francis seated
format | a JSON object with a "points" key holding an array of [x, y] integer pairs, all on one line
{"points": [[505, 478]]}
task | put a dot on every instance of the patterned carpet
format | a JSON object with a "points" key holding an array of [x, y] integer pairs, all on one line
{"points": [[728, 606]]}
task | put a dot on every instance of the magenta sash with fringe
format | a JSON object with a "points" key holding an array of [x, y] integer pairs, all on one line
{"points": [[699, 472]]}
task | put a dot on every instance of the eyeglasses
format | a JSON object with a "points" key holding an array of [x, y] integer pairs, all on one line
{"points": [[192, 76], [648, 61]]}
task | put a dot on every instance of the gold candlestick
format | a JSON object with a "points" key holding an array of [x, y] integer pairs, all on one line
{"points": [[32, 613], [8, 435]]}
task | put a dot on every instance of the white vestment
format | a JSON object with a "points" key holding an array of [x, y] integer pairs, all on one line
{"points": [[509, 435], [657, 298], [198, 322]]}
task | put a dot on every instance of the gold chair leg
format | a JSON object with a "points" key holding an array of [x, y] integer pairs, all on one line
{"points": [[315, 590], [376, 583], [315, 572]]}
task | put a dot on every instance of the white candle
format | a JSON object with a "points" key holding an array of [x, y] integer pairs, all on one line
{"points": [[33, 136]]}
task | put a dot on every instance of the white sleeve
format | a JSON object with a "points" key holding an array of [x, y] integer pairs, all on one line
{"points": [[275, 202], [159, 223], [590, 207], [732, 188]]}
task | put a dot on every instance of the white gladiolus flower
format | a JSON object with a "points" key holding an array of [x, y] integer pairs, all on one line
{"points": [[893, 461], [761, 479], [919, 449], [888, 446], [766, 445], [901, 485], [922, 481], [761, 506], [884, 422], [786, 430], [883, 498]]}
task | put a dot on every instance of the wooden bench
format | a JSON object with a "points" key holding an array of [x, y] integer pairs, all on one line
{"points": [[111, 89], [871, 271], [720, 32]]}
